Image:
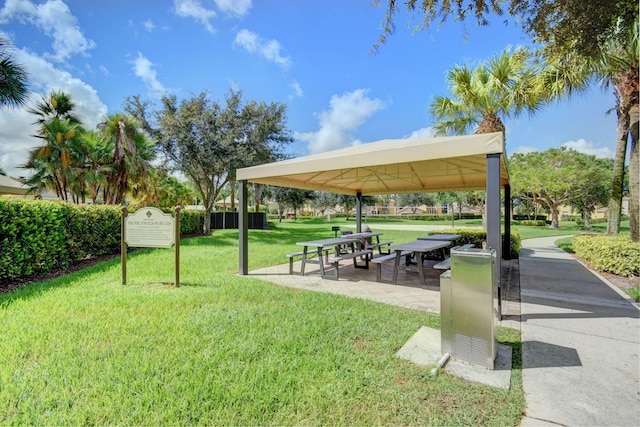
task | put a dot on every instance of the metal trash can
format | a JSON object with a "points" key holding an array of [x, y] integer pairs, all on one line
{"points": [[469, 306]]}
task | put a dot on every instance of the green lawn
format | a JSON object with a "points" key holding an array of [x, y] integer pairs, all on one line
{"points": [[221, 349]]}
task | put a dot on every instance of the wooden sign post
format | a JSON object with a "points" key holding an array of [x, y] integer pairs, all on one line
{"points": [[150, 228]]}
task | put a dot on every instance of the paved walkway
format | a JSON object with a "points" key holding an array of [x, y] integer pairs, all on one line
{"points": [[580, 343], [581, 335]]}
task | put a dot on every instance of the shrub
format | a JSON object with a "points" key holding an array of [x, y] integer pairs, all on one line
{"points": [[530, 222], [580, 221], [615, 254], [476, 237], [37, 236]]}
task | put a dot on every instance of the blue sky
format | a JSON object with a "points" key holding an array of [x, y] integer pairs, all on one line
{"points": [[312, 55]]}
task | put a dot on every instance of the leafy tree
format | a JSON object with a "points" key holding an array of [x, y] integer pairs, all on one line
{"points": [[164, 191], [323, 200], [555, 177], [567, 26], [415, 200], [13, 79], [505, 86], [290, 198], [595, 189], [207, 141], [198, 138], [262, 135]]}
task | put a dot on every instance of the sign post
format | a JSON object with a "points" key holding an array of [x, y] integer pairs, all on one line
{"points": [[150, 228], [177, 247]]}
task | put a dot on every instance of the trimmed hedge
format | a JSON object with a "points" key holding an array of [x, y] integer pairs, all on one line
{"points": [[531, 222], [615, 254], [37, 236], [477, 236]]}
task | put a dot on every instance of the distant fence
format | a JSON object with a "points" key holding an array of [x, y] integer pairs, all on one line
{"points": [[229, 220]]}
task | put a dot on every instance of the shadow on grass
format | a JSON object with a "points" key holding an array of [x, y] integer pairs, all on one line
{"points": [[37, 288]]}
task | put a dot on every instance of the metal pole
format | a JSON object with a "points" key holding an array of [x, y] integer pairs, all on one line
{"points": [[243, 230], [123, 244], [506, 245], [358, 212], [177, 246]]}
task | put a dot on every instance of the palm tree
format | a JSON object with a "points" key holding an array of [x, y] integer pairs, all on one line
{"points": [[13, 79], [58, 163], [58, 158], [618, 68], [482, 97], [132, 152]]}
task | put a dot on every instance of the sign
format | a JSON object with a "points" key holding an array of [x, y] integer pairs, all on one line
{"points": [[149, 228]]}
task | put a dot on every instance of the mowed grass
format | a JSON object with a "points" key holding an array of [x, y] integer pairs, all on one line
{"points": [[221, 349]]}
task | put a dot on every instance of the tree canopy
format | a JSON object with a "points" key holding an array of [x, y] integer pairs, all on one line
{"points": [[562, 26], [208, 141], [560, 176], [13, 79]]}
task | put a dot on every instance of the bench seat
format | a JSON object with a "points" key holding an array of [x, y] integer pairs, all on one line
{"points": [[379, 260], [379, 246], [335, 260], [293, 255]]}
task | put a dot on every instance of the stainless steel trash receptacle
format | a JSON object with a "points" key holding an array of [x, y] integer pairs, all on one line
{"points": [[469, 307]]}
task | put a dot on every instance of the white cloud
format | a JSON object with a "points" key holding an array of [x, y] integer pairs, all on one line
{"points": [[297, 89], [422, 133], [193, 9], [236, 7], [56, 21], [148, 25], [588, 147], [347, 113], [16, 125], [105, 71], [524, 149], [144, 69], [269, 49]]}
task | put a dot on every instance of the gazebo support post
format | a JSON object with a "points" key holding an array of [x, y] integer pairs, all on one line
{"points": [[358, 212], [506, 244], [494, 239], [243, 230]]}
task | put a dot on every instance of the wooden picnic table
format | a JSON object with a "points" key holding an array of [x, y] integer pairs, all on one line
{"points": [[418, 247]]}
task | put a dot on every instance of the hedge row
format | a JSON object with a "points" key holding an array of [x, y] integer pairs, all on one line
{"points": [[477, 237], [530, 222], [38, 236], [615, 254]]}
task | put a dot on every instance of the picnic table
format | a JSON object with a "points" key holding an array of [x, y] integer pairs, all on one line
{"points": [[321, 244], [418, 247], [448, 237]]}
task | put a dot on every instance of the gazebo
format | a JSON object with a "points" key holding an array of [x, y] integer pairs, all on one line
{"points": [[393, 166]]}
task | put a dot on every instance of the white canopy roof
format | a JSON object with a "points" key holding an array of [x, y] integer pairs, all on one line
{"points": [[417, 165], [11, 186]]}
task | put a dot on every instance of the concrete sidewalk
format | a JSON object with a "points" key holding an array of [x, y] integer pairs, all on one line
{"points": [[580, 343]]}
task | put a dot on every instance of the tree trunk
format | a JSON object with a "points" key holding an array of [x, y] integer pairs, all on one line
{"points": [[587, 219], [206, 228], [257, 190], [615, 201], [634, 174], [554, 217]]}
